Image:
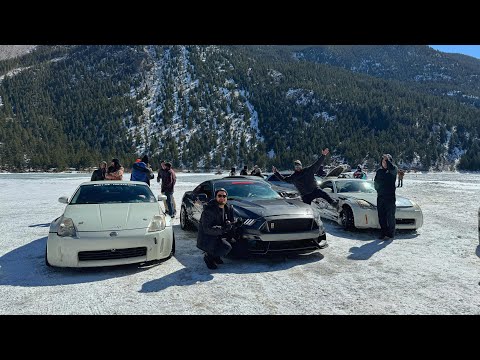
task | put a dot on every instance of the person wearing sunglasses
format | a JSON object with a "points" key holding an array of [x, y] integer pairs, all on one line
{"points": [[216, 222], [304, 180]]}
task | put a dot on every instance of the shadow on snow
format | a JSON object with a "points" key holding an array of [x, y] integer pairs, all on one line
{"points": [[195, 271], [40, 225], [25, 266]]}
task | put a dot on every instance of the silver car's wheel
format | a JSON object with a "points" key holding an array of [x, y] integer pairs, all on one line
{"points": [[348, 221]]}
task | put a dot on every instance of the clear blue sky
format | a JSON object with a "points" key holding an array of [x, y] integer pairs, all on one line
{"points": [[471, 50]]}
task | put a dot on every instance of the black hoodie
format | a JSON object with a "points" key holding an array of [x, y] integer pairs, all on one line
{"points": [[385, 179], [211, 225]]}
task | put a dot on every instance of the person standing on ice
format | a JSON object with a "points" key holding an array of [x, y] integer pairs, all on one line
{"points": [[384, 183]]}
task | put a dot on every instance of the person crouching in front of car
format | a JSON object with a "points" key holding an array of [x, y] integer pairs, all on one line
{"points": [[216, 223]]}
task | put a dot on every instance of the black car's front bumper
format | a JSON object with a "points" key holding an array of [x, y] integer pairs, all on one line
{"points": [[304, 236]]}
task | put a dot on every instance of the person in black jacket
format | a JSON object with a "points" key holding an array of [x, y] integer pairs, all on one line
{"points": [[384, 182], [216, 222], [244, 170], [304, 181], [99, 174]]}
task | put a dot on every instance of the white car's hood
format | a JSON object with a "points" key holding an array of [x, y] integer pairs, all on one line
{"points": [[372, 198], [109, 217]]}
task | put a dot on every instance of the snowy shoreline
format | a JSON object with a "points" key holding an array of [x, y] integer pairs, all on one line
{"points": [[433, 271]]}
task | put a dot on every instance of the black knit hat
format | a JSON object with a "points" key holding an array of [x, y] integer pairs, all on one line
{"points": [[145, 159]]}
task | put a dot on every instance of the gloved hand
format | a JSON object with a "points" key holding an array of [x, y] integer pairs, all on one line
{"points": [[238, 222], [228, 226]]}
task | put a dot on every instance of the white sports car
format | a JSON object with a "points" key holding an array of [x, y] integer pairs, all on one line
{"points": [[110, 223], [358, 201]]}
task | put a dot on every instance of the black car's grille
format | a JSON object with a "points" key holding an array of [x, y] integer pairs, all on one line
{"points": [[263, 247], [290, 225], [112, 254], [405, 221]]}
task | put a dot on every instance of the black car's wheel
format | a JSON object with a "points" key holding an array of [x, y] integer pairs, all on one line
{"points": [[184, 222], [348, 222], [46, 258]]}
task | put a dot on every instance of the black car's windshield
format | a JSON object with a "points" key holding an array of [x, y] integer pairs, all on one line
{"points": [[355, 186], [248, 189], [105, 193]]}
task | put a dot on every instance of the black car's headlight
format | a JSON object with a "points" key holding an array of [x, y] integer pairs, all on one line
{"points": [[249, 222]]}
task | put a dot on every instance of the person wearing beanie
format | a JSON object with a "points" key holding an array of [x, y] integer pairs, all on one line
{"points": [[99, 174], [359, 173], [304, 181], [257, 171], [216, 222], [385, 179], [232, 171]]}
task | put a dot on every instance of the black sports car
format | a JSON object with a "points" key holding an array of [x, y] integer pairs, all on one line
{"points": [[271, 223]]}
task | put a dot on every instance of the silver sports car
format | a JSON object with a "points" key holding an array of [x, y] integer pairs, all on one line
{"points": [[358, 200]]}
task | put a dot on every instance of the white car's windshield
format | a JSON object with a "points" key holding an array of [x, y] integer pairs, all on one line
{"points": [[355, 186], [104, 193]]}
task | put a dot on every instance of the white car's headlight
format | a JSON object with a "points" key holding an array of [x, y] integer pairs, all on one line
{"points": [[364, 204], [66, 228], [157, 223]]}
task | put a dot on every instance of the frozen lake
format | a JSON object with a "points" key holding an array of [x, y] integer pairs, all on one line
{"points": [[433, 271]]}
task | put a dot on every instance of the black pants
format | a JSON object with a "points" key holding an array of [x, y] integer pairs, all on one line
{"points": [[308, 198], [222, 248], [386, 215], [400, 181]]}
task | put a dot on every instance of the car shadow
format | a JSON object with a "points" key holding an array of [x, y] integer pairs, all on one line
{"points": [[366, 251], [25, 266], [478, 251], [40, 225], [195, 271]]}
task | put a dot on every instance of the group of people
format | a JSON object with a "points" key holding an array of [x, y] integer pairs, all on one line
{"points": [[255, 172], [217, 220], [142, 171], [113, 172]]}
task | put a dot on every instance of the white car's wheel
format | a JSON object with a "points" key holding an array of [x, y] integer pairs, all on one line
{"points": [[46, 258]]}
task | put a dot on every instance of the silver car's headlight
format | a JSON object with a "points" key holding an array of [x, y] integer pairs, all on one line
{"points": [[66, 228], [157, 223], [364, 204]]}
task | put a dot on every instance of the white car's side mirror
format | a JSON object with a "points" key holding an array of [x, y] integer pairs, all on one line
{"points": [[328, 190], [162, 197], [63, 199]]}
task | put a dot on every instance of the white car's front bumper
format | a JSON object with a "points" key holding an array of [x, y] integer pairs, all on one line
{"points": [[99, 248], [406, 218]]}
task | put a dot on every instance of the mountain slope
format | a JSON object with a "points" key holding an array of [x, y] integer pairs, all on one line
{"points": [[207, 106]]}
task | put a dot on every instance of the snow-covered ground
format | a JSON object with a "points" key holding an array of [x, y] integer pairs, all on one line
{"points": [[434, 271]]}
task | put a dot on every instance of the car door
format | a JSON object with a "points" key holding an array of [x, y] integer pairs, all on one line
{"points": [[203, 188], [325, 209]]}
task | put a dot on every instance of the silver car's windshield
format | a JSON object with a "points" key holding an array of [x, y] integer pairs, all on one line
{"points": [[248, 189], [355, 186], [104, 193]]}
